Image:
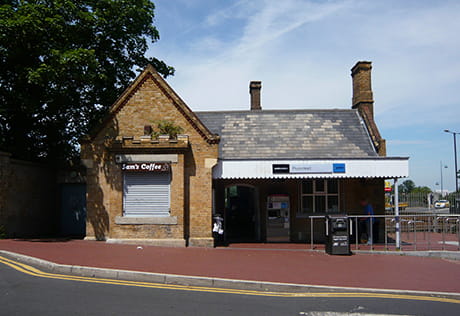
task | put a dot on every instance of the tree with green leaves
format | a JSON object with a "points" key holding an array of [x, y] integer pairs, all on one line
{"points": [[422, 190], [62, 64], [406, 187]]}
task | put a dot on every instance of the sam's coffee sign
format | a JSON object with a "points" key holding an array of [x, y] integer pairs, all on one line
{"points": [[146, 167]]}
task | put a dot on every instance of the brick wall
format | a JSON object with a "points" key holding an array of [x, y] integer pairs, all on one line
{"points": [[28, 205], [147, 101]]}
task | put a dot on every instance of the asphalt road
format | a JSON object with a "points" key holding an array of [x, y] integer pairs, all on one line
{"points": [[25, 294]]}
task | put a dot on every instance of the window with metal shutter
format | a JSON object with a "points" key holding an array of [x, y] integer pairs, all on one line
{"points": [[146, 194]]}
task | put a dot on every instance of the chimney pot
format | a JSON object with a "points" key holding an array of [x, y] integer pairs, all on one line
{"points": [[254, 91]]}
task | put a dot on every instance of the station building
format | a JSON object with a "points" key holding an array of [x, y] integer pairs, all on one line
{"points": [[265, 172]]}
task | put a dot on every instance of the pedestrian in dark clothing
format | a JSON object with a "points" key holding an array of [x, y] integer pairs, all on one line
{"points": [[367, 222]]}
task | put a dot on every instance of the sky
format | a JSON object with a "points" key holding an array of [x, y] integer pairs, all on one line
{"points": [[303, 51]]}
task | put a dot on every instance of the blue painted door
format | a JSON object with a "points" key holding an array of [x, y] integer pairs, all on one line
{"points": [[73, 210]]}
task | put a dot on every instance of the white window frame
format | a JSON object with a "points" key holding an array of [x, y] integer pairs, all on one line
{"points": [[315, 193]]}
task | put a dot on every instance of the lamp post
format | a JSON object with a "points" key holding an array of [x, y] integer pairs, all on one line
{"points": [[442, 187], [455, 157]]}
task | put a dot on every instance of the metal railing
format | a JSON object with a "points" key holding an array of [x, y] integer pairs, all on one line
{"points": [[416, 232], [417, 200]]}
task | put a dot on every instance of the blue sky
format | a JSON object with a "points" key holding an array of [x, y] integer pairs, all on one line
{"points": [[303, 50]]}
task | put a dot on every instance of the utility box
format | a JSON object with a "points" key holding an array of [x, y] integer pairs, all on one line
{"points": [[337, 235]]}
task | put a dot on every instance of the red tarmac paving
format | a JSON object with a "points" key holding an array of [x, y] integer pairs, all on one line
{"points": [[292, 264]]}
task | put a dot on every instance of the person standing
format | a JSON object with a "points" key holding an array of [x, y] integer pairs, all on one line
{"points": [[368, 221]]}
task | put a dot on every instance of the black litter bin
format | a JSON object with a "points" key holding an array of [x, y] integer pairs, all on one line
{"points": [[337, 235]]}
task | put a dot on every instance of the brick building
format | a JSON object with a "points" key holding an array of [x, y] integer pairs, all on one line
{"points": [[263, 171]]}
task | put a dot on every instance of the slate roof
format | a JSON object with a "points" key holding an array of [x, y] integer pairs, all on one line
{"points": [[289, 134]]}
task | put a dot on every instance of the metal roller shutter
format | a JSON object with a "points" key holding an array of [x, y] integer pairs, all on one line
{"points": [[146, 194]]}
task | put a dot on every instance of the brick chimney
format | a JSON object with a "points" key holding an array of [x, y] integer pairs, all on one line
{"points": [[254, 91], [362, 88], [363, 101]]}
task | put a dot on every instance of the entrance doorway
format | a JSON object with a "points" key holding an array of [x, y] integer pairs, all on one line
{"points": [[241, 214], [73, 210]]}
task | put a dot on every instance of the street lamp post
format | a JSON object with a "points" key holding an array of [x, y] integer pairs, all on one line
{"points": [[442, 187], [455, 157]]}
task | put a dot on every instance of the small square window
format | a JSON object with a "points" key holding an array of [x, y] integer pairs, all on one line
{"points": [[307, 187], [332, 204], [307, 204], [320, 204], [319, 186], [332, 186]]}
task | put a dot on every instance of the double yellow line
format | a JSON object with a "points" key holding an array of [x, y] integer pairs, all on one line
{"points": [[21, 267]]}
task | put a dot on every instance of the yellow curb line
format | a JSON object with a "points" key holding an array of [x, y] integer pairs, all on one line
{"points": [[21, 267]]}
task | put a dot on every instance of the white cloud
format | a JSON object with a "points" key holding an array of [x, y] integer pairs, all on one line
{"points": [[418, 28], [259, 52], [303, 52], [236, 10], [277, 18], [307, 48]]}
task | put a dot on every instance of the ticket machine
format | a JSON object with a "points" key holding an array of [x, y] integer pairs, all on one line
{"points": [[278, 218]]}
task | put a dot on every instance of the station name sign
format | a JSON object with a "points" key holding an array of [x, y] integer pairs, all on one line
{"points": [[308, 168], [146, 167]]}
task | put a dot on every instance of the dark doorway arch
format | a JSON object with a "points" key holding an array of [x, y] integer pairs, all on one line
{"points": [[241, 214]]}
